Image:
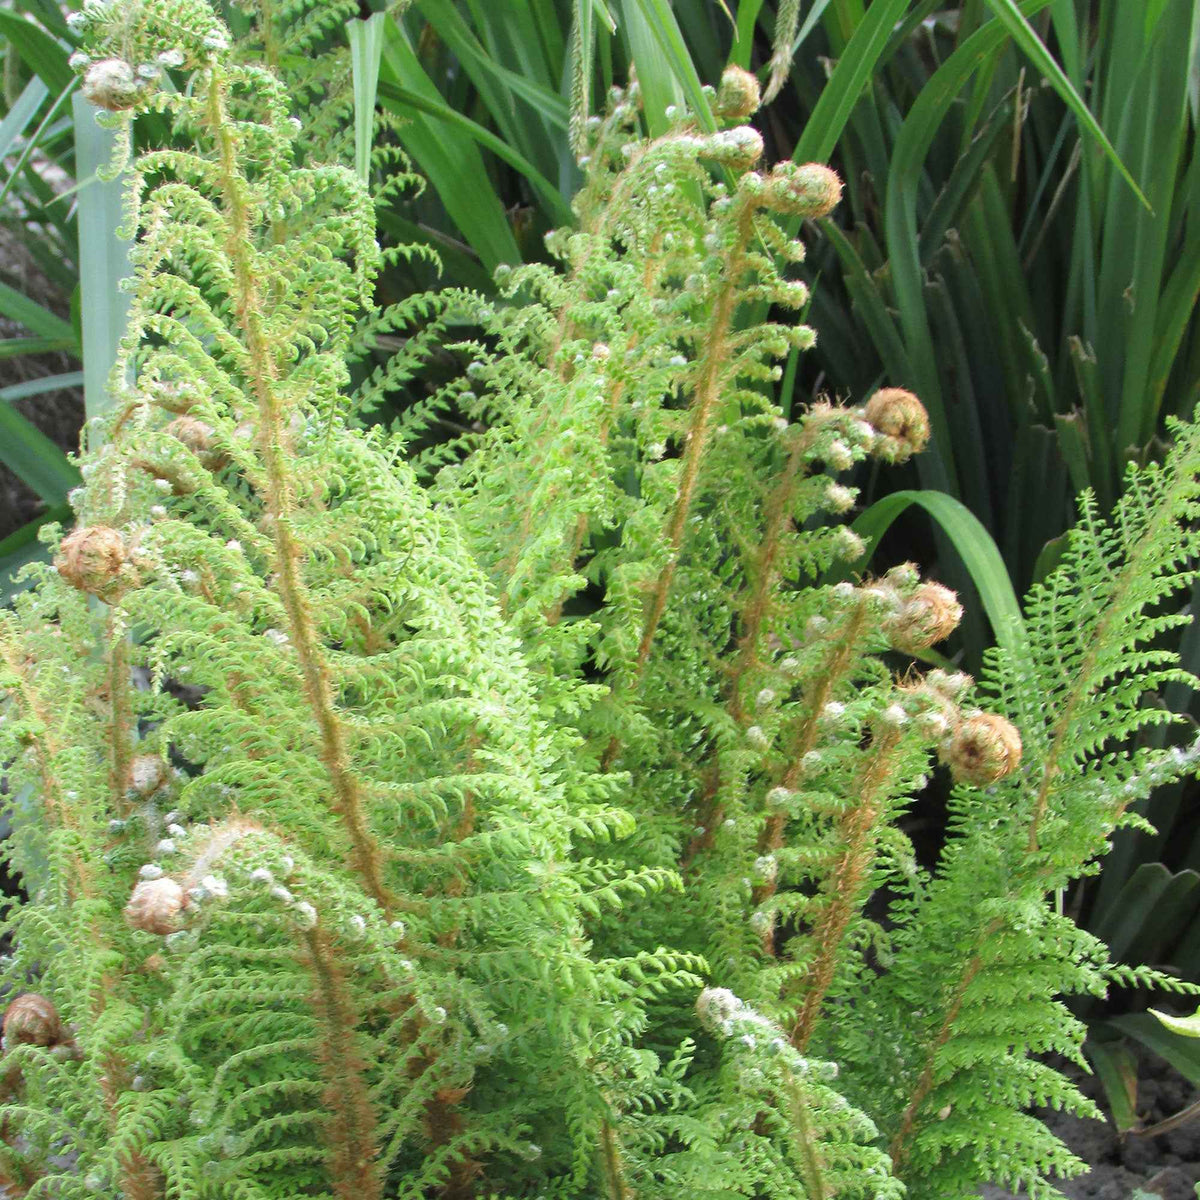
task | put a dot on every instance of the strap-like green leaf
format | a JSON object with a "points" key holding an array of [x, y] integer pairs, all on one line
{"points": [[848, 81], [457, 35], [658, 81], [41, 385], [453, 166], [743, 41], [1116, 1069], [15, 347], [18, 118], [22, 546], [366, 44], [402, 99], [103, 258], [661, 20], [41, 134], [37, 50], [1013, 19], [32, 315], [905, 174], [33, 457]]}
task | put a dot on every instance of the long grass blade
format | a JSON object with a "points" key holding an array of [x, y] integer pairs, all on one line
{"points": [[37, 50], [905, 176], [1153, 133], [41, 135], [1014, 20], [32, 315], [663, 24], [22, 546], [848, 81], [41, 385], [15, 347], [810, 23], [481, 67], [366, 44], [659, 85], [1193, 75], [1181, 1052], [103, 258], [870, 303], [453, 166], [1116, 1068], [22, 114], [32, 456], [743, 40], [405, 101]]}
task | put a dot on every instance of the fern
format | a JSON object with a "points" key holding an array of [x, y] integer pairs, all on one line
{"points": [[357, 832], [992, 957], [513, 814]]}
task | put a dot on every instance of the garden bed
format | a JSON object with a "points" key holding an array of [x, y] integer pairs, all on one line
{"points": [[1167, 1165]]}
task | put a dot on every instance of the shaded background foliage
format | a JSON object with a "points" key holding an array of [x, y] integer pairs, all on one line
{"points": [[990, 253]]}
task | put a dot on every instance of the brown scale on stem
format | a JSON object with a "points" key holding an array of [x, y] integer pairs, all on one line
{"points": [[443, 1123], [349, 1128], [612, 1166], [46, 749], [281, 505], [710, 375], [121, 743], [562, 371], [844, 886], [902, 1142], [443, 1118], [900, 1145], [777, 520], [582, 520], [611, 413], [934, 616], [929, 615], [803, 738]]}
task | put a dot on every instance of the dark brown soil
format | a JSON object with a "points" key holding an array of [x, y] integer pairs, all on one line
{"points": [[1167, 1165]]}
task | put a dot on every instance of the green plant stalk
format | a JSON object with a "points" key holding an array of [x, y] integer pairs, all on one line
{"points": [[899, 1148], [754, 616], [846, 654], [139, 1179], [612, 1168], [351, 1126]]}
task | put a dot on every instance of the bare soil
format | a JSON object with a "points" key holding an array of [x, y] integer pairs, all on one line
{"points": [[1167, 1166]]}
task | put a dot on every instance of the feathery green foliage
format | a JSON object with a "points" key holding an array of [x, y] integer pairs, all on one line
{"points": [[368, 831], [526, 818]]}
